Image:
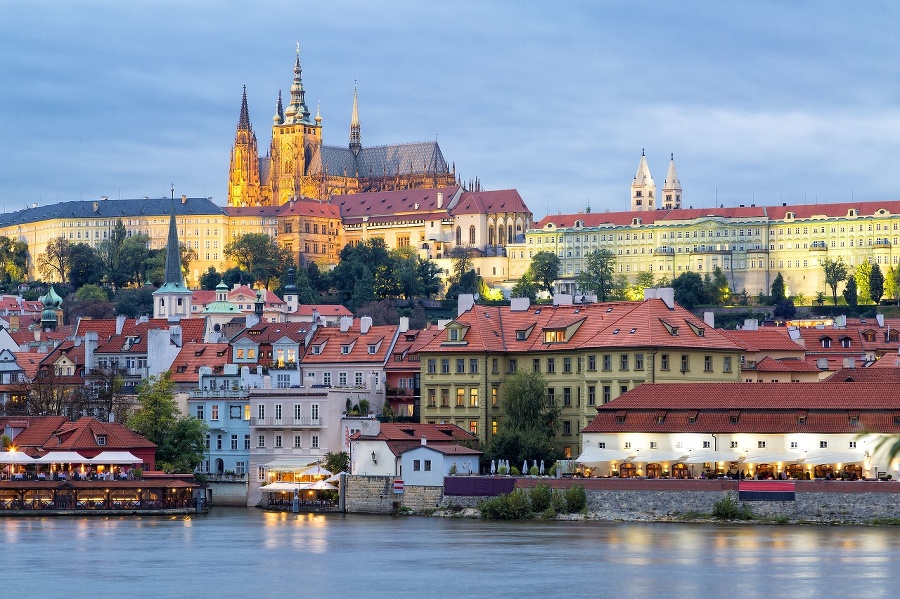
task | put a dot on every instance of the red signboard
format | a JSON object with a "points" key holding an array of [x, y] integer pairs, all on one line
{"points": [[398, 486]]}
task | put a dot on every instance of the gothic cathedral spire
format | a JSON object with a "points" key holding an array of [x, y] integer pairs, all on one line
{"points": [[355, 139], [243, 183], [297, 112]]}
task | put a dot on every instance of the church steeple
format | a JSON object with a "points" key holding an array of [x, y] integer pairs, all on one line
{"points": [[297, 112], [173, 299], [643, 189], [243, 183], [672, 187], [279, 111], [355, 138]]}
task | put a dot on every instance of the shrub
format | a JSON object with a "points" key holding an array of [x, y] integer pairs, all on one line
{"points": [[534, 471], [515, 506], [540, 497], [576, 498], [558, 501], [452, 469], [514, 471], [520, 504], [728, 508], [501, 470]]}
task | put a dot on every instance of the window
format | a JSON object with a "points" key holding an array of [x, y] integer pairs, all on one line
{"points": [[460, 397], [567, 396], [234, 441], [638, 361], [664, 362], [200, 412], [685, 362], [473, 427], [592, 395], [432, 398], [460, 366], [653, 445], [261, 411], [726, 364], [707, 363], [445, 366], [607, 362], [567, 427], [623, 389], [536, 364], [592, 363], [473, 365], [101, 439], [218, 441], [551, 396], [246, 441], [607, 393], [261, 441], [315, 442], [513, 365], [567, 365], [494, 399], [823, 444], [706, 445], [417, 465], [852, 445], [432, 366], [760, 444], [793, 445], [214, 412], [623, 364], [551, 365], [473, 398], [314, 412], [734, 444], [278, 411], [427, 465]]}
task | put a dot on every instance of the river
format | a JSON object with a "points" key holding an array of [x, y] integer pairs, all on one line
{"points": [[234, 552]]}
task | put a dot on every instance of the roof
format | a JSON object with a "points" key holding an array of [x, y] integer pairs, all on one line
{"points": [[769, 364], [309, 207], [765, 339], [186, 367], [352, 345], [401, 437], [420, 202], [885, 374], [447, 449], [134, 339], [111, 209], [270, 332], [29, 362], [326, 310], [490, 202], [36, 430], [82, 434]]}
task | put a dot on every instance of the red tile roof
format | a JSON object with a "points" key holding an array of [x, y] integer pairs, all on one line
{"points": [[192, 356], [37, 430], [386, 204], [29, 362], [331, 340], [329, 311], [768, 364], [82, 435], [888, 374], [402, 437], [269, 332], [766, 339], [311, 208], [191, 331]]}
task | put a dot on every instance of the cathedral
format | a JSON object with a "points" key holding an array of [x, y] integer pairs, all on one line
{"points": [[298, 164]]}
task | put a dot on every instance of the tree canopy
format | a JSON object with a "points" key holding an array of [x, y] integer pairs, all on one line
{"points": [[598, 274], [260, 255], [544, 269], [835, 273], [778, 289], [530, 420]]}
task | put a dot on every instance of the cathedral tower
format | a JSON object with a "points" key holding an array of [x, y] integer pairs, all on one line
{"points": [[671, 188], [243, 182], [296, 138], [643, 189]]}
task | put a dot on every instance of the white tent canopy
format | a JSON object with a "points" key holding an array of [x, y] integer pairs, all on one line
{"points": [[63, 457], [703, 456], [320, 485], [15, 457], [835, 457], [116, 457], [786, 457], [290, 464], [653, 456], [316, 470], [280, 487], [594, 455]]}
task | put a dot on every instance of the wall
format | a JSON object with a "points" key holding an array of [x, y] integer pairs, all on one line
{"points": [[375, 495], [233, 493]]}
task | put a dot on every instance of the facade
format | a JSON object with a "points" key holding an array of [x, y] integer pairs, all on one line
{"points": [[589, 354], [427, 465], [751, 244], [201, 225], [299, 164], [378, 449], [311, 230], [756, 429]]}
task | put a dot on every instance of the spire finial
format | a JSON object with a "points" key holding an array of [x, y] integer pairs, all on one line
{"points": [[355, 129], [672, 156], [642, 151]]}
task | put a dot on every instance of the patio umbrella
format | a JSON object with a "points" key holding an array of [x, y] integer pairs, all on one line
{"points": [[320, 485], [316, 470], [525, 467], [542, 467], [335, 477], [493, 467]]}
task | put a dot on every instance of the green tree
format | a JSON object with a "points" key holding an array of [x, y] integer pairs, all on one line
{"points": [[892, 283], [260, 255], [850, 291], [470, 282], [862, 274], [134, 302], [363, 292], [720, 291], [742, 298], [132, 256], [784, 310], [835, 272], [53, 264], [85, 265], [235, 276], [778, 290], [180, 439], [14, 257], [429, 275], [530, 420], [597, 276], [689, 290], [209, 279], [337, 462], [110, 251], [88, 293], [544, 269], [525, 287], [876, 284]]}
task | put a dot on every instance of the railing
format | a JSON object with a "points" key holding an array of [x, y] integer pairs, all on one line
{"points": [[219, 393], [305, 421], [283, 366]]}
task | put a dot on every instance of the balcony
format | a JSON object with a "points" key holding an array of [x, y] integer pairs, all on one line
{"points": [[282, 366], [304, 422], [818, 246], [218, 393]]}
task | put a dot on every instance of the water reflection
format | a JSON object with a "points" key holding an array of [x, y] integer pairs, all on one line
{"points": [[237, 552]]}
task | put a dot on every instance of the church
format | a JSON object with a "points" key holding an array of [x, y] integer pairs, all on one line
{"points": [[298, 163]]}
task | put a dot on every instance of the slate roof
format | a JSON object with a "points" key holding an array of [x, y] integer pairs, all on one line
{"points": [[111, 209]]}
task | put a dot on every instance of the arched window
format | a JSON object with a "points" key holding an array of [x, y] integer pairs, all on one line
{"points": [[509, 234], [458, 236], [471, 234], [491, 235]]}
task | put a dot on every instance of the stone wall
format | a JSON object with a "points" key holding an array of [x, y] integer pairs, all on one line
{"points": [[375, 495], [230, 492], [422, 499]]}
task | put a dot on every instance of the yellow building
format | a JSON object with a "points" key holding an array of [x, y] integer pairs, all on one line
{"points": [[201, 224], [299, 164], [589, 354]]}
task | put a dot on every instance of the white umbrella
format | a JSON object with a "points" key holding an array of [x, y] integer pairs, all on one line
{"points": [[525, 467], [334, 478], [542, 467], [316, 470], [319, 485], [493, 467]]}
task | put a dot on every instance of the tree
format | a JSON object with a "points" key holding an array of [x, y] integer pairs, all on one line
{"points": [[260, 255], [85, 265], [337, 461], [689, 290], [850, 291], [876, 284], [461, 264], [597, 276], [778, 291], [530, 420], [835, 272], [180, 440], [892, 283], [134, 302], [110, 250], [209, 279], [468, 283], [862, 275], [785, 310], [544, 269], [742, 298], [235, 276], [106, 398], [525, 287], [53, 264], [14, 257], [132, 255], [429, 275]]}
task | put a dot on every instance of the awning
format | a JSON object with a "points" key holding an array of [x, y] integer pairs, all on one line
{"points": [[290, 464], [15, 457], [762, 457], [116, 457], [63, 457], [594, 455], [653, 456], [834, 457], [280, 487], [704, 456]]}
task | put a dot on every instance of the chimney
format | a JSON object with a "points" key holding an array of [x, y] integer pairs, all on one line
{"points": [[184, 199], [440, 199], [91, 340], [519, 304], [120, 323], [424, 440], [404, 324], [365, 323], [175, 334], [710, 319], [345, 323]]}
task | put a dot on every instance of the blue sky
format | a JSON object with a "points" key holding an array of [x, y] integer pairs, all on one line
{"points": [[763, 102]]}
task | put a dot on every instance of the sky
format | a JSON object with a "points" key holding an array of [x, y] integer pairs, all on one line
{"points": [[760, 102]]}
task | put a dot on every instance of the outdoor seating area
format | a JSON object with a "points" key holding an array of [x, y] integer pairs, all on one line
{"points": [[307, 484], [90, 496]]}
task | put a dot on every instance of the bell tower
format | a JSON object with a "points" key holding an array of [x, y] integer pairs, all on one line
{"points": [[643, 189]]}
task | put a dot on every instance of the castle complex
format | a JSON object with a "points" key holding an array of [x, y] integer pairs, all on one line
{"points": [[299, 164]]}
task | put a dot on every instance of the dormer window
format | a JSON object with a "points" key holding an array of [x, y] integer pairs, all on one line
{"points": [[826, 342], [554, 336], [316, 349], [373, 349], [453, 334], [101, 439], [345, 349], [845, 341]]}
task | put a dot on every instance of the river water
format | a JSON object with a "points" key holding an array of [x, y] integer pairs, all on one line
{"points": [[234, 552]]}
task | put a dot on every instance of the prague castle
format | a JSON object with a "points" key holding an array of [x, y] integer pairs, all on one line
{"points": [[298, 163]]}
